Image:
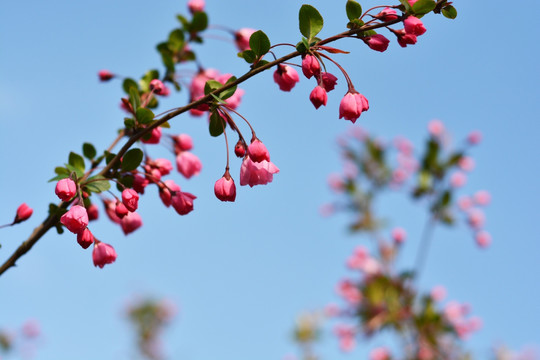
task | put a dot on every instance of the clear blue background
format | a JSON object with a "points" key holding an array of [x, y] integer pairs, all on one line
{"points": [[240, 273]]}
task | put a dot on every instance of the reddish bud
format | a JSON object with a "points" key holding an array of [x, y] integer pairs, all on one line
{"points": [[139, 183], [414, 26], [76, 219], [110, 210], [93, 212], [85, 238], [387, 14], [130, 198], [23, 213], [154, 138], [182, 202], [103, 254], [329, 81], [105, 75], [404, 38], [131, 222], [183, 142], [188, 164], [240, 149], [310, 66], [399, 235], [257, 151], [318, 97], [241, 38], [352, 105], [225, 189], [286, 77], [377, 42], [65, 189], [157, 87], [120, 210], [195, 6], [165, 191]]}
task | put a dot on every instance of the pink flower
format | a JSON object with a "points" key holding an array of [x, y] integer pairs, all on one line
{"points": [[105, 75], [474, 137], [120, 210], [377, 42], [380, 353], [130, 198], [329, 81], [224, 188], [476, 218], [157, 87], [336, 183], [182, 142], [154, 138], [103, 254], [352, 105], [482, 198], [31, 329], [465, 203], [241, 38], [76, 219], [110, 210], [165, 191], [195, 6], [182, 202], [387, 14], [414, 26], [349, 291], [404, 39], [257, 173], [23, 213], [65, 189], [131, 222], [85, 238], [466, 163], [318, 97], [399, 235], [310, 66], [438, 293], [483, 239], [139, 183], [93, 212], [188, 164], [257, 151], [286, 77], [436, 128], [163, 165], [458, 179]]}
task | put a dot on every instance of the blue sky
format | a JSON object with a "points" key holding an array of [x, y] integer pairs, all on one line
{"points": [[240, 273]]}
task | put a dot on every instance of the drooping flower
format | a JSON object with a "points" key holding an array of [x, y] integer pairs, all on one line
{"points": [[318, 96], [155, 136], [23, 213], [224, 188], [110, 210], [85, 238], [241, 38], [131, 222], [130, 198], [165, 191], [329, 81], [310, 66], [103, 254], [182, 202], [188, 164], [182, 142], [120, 210], [65, 189], [257, 151], [387, 14], [76, 219], [105, 75], [414, 26], [257, 173], [405, 38], [286, 77], [157, 87], [93, 212], [352, 105], [377, 42]]}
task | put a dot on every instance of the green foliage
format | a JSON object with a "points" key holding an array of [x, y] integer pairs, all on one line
{"points": [[248, 55], [450, 12], [354, 10], [132, 159], [89, 151], [129, 83], [97, 184], [76, 161], [311, 21], [422, 7], [259, 43], [144, 116], [217, 124], [199, 22]]}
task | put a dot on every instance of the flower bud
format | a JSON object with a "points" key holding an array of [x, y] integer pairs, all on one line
{"points": [[76, 219], [23, 213], [225, 189], [399, 235], [188, 164], [131, 222], [120, 210], [93, 212], [318, 97], [474, 137], [103, 254], [310, 66], [183, 142], [85, 238], [240, 149], [483, 239], [387, 14], [257, 151], [195, 6], [414, 26], [105, 75], [154, 137], [241, 38], [65, 189], [182, 202], [286, 77], [377, 42], [352, 105], [130, 198], [329, 81], [157, 87]]}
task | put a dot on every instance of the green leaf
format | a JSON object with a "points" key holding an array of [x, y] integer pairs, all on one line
{"points": [[260, 63], [211, 85], [229, 92], [129, 122], [129, 83], [89, 151], [301, 48], [61, 170], [132, 159], [97, 184], [248, 55], [354, 10], [259, 43], [216, 124], [311, 21], [76, 161], [176, 40], [134, 97], [144, 116], [449, 12], [406, 5], [183, 21], [199, 22], [109, 156], [77, 171], [422, 7], [59, 177]]}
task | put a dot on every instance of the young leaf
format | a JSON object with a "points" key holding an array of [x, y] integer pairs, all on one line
{"points": [[422, 7], [311, 21], [199, 22], [406, 4], [354, 10], [129, 83], [211, 85], [176, 40], [248, 55], [259, 43], [216, 124], [132, 159], [89, 151], [61, 170], [59, 177], [134, 98], [449, 12], [98, 184], [144, 116], [76, 161], [229, 92]]}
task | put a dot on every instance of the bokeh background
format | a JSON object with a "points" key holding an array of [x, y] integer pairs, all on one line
{"points": [[240, 273]]}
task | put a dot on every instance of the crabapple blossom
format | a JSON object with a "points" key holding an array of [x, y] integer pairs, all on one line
{"points": [[476, 218], [188, 164], [414, 26], [65, 189], [482, 197], [436, 128], [458, 179], [120, 210], [105, 75], [157, 86], [318, 96], [465, 203], [163, 165], [387, 14], [240, 149], [241, 38], [257, 173], [329, 81], [93, 212], [103, 254], [110, 210], [196, 5], [377, 42], [310, 66], [23, 213], [380, 353], [224, 188], [182, 142], [286, 77], [474, 137], [131, 222], [257, 151], [76, 219], [399, 235], [85, 238], [130, 199], [139, 183], [483, 239], [346, 335], [466, 163], [165, 191], [155, 136], [352, 105], [182, 202]]}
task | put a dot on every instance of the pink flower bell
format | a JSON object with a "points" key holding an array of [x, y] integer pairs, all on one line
{"points": [[257, 173], [130, 198], [329, 81], [131, 222], [188, 164], [377, 42], [182, 142], [120, 210], [165, 191], [224, 188], [85, 238], [286, 77], [310, 66], [65, 189], [257, 151], [76, 219], [103, 254], [318, 96], [23, 213], [157, 87], [93, 212], [414, 26], [387, 14], [241, 38], [182, 202], [352, 105]]}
